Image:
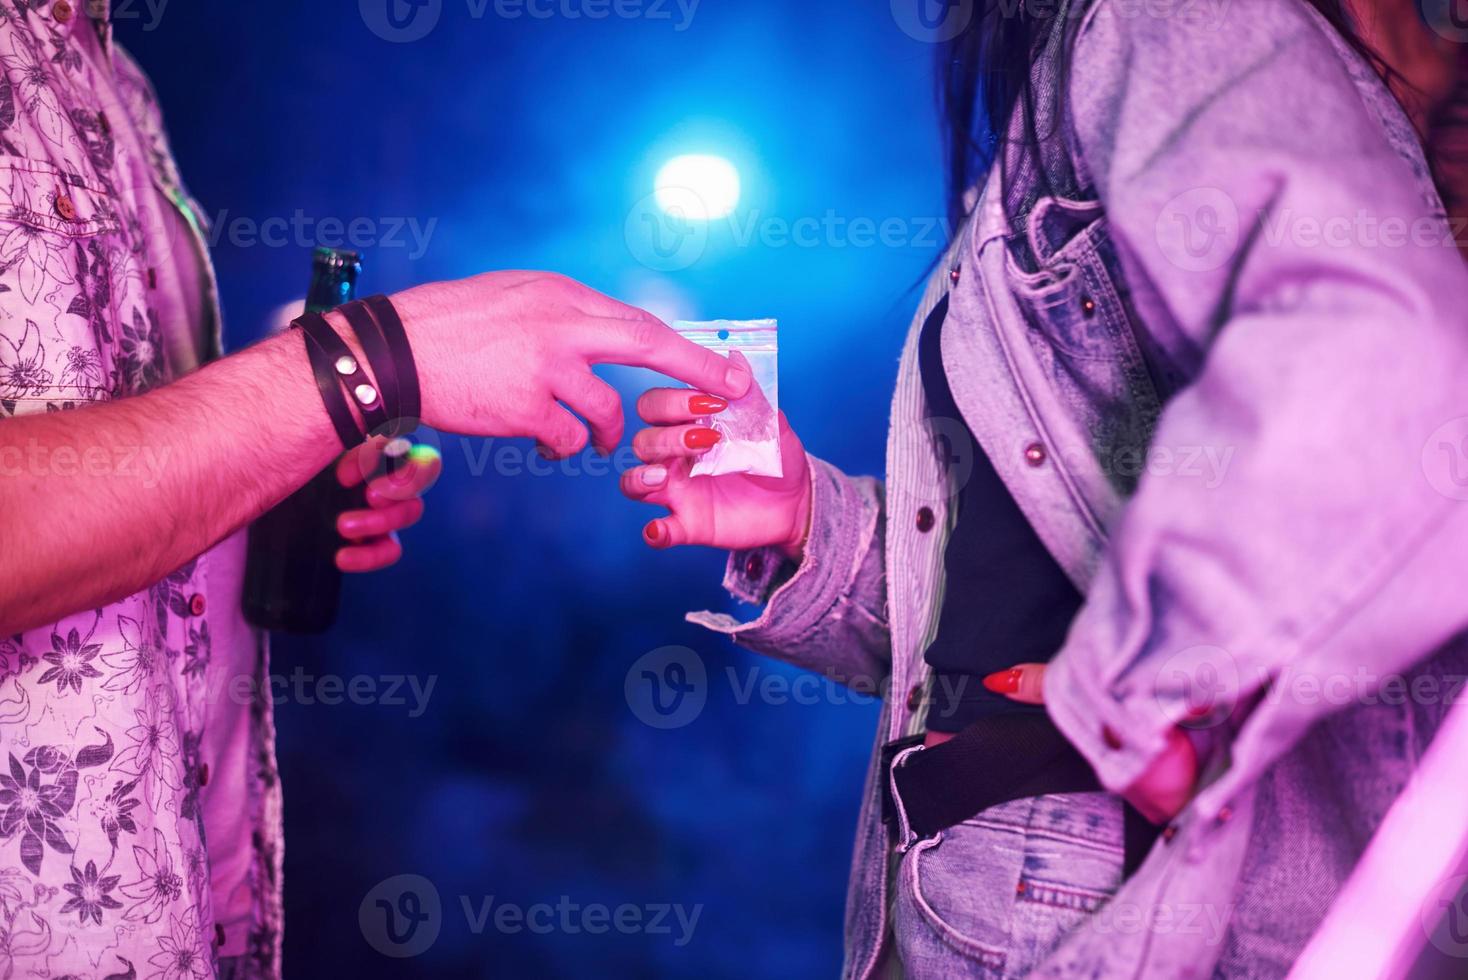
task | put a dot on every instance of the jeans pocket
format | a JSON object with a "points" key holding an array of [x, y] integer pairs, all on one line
{"points": [[992, 896], [955, 898], [1073, 865]]}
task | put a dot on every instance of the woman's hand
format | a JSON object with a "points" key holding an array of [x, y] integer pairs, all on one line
{"points": [[732, 512], [1162, 791], [501, 353], [394, 502]]}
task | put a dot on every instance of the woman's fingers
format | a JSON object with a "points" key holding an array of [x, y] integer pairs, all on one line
{"points": [[369, 556], [674, 442], [1024, 683], [360, 525], [674, 406], [1167, 785], [665, 532], [646, 483]]}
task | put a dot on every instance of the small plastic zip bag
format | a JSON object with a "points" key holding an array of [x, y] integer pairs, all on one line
{"points": [[750, 425]]}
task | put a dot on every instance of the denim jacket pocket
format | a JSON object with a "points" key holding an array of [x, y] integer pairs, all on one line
{"points": [[1080, 330], [1069, 297]]}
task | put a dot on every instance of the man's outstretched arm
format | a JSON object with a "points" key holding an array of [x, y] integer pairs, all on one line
{"points": [[499, 354]]}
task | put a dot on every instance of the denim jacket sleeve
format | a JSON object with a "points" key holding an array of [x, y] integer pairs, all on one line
{"points": [[1252, 191], [830, 615]]}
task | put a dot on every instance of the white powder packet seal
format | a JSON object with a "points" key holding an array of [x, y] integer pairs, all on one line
{"points": [[750, 425]]}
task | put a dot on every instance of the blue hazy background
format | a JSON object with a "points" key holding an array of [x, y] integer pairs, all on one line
{"points": [[525, 142]]}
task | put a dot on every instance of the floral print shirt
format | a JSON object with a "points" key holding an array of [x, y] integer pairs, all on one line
{"points": [[111, 720]]}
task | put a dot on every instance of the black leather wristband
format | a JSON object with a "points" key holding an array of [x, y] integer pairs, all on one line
{"points": [[349, 374], [332, 395], [410, 401], [379, 359]]}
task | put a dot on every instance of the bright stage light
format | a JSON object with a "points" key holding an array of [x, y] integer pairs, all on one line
{"points": [[698, 187]]}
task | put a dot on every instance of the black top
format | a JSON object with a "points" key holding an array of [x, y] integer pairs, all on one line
{"points": [[1006, 601]]}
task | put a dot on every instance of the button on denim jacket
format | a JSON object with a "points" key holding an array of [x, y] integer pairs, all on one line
{"points": [[1220, 358]]}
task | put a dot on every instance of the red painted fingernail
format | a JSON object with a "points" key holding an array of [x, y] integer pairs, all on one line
{"points": [[1003, 681], [652, 531], [701, 438], [706, 405]]}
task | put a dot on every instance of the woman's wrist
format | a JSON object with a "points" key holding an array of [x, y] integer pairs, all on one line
{"points": [[794, 546]]}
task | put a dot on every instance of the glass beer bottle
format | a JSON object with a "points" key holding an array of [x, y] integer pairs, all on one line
{"points": [[291, 579]]}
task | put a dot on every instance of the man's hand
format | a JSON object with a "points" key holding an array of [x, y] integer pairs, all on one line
{"points": [[394, 502], [501, 353], [1162, 791]]}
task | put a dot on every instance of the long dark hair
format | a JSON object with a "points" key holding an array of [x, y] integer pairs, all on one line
{"points": [[985, 71]]}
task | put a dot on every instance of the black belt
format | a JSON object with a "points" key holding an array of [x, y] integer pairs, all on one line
{"points": [[995, 760]]}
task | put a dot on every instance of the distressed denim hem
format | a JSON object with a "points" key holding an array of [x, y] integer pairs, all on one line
{"points": [[843, 522]]}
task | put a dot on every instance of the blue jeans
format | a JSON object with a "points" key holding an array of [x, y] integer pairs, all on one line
{"points": [[992, 896]]}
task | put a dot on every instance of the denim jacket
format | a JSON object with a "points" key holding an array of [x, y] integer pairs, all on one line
{"points": [[1218, 358]]}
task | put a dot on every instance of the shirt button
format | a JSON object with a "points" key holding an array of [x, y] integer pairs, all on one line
{"points": [[1035, 454], [1112, 740], [61, 10], [925, 519], [66, 207], [955, 274], [204, 774], [1169, 833], [1088, 306], [196, 604], [1226, 814], [915, 697], [754, 567]]}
